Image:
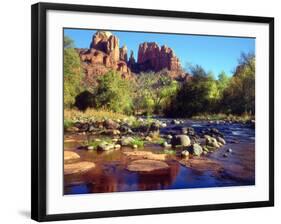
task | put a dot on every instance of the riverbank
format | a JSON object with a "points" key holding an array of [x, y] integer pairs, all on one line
{"points": [[110, 148]]}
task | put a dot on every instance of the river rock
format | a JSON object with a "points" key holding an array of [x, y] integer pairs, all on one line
{"points": [[196, 149], [78, 167], [221, 140], [166, 145], [182, 140], [175, 122], [110, 124], [210, 141], [146, 165], [69, 155], [126, 141], [105, 146], [229, 150], [185, 153], [117, 146]]}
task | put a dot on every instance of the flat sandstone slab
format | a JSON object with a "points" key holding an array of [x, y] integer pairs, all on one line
{"points": [[203, 165], [79, 167], [69, 155], [146, 165], [145, 155]]}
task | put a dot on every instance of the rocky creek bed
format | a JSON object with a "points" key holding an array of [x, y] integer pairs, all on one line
{"points": [[116, 156]]}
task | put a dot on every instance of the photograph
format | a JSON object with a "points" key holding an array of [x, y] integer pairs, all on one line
{"points": [[157, 111]]}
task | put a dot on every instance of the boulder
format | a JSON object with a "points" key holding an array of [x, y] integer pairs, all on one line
{"points": [[196, 149], [180, 140], [210, 141], [78, 167], [147, 165]]}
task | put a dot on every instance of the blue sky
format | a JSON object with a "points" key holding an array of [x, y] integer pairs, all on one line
{"points": [[213, 53]]}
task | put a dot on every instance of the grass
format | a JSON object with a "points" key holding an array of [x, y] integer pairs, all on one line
{"points": [[227, 117], [67, 124], [92, 114], [94, 143], [138, 142], [169, 152]]}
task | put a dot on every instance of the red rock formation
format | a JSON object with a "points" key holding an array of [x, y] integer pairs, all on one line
{"points": [[104, 55], [152, 57], [124, 53]]}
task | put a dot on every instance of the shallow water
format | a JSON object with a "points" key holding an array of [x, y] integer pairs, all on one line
{"points": [[110, 174]]}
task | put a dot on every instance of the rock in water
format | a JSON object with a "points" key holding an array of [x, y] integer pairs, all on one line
{"points": [[126, 141], [79, 167], [146, 165], [181, 140], [210, 141], [69, 155], [221, 140], [104, 146], [185, 153], [196, 149]]}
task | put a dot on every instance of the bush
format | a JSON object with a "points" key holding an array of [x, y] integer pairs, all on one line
{"points": [[114, 93], [85, 100]]}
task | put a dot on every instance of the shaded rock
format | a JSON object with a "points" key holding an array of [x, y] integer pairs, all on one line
{"points": [[181, 140], [229, 150], [78, 167], [110, 124], [221, 140], [69, 155], [146, 165]]}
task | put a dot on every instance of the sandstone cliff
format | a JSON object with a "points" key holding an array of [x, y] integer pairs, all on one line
{"points": [[105, 54]]}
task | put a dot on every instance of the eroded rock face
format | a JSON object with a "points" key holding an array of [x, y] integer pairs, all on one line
{"points": [[155, 58], [104, 55], [124, 53]]}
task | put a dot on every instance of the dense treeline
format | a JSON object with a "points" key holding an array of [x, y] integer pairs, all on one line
{"points": [[157, 93]]}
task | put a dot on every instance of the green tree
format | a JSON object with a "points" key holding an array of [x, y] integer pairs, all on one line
{"points": [[114, 93], [239, 96], [222, 82], [72, 73], [154, 91], [197, 95]]}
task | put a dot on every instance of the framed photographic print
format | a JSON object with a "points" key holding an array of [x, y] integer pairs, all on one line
{"points": [[139, 111]]}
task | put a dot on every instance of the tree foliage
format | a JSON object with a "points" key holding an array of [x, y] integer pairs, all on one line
{"points": [[153, 91], [239, 95], [72, 73], [113, 93]]}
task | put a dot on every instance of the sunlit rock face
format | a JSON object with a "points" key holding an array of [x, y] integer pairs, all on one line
{"points": [[104, 55], [155, 58]]}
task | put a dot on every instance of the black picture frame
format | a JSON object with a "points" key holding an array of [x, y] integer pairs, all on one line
{"points": [[39, 122]]}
